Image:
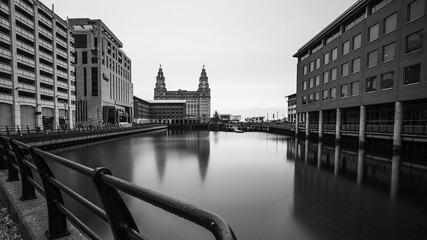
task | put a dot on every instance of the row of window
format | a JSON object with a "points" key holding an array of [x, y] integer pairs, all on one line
{"points": [[412, 74], [415, 10]]}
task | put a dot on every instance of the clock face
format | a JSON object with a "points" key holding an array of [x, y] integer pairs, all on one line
{"points": [[204, 82]]}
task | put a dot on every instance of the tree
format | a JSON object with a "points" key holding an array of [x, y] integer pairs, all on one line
{"points": [[216, 117]]}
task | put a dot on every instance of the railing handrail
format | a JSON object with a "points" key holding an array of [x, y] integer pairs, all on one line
{"points": [[114, 211]]}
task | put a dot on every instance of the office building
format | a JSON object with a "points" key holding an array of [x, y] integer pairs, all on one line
{"points": [[197, 102], [292, 107], [168, 111], [103, 73], [366, 74], [37, 79], [141, 110]]}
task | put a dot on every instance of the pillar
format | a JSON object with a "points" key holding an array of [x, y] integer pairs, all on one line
{"points": [[296, 123], [338, 127], [319, 154], [337, 158], [306, 150], [320, 125], [397, 145], [307, 124], [361, 152]]}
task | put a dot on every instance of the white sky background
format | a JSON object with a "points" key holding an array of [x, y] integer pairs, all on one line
{"points": [[246, 45]]}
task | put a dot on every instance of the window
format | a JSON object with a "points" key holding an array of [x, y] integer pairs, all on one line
{"points": [[345, 48], [344, 69], [84, 82], [326, 77], [316, 97], [80, 41], [372, 58], [387, 80], [317, 80], [412, 74], [390, 23], [304, 70], [304, 85], [377, 5], [414, 41], [371, 84], [334, 54], [311, 66], [333, 93], [94, 81], [354, 88], [389, 52], [333, 74], [317, 63], [310, 98], [357, 41], [373, 32], [416, 9], [84, 57], [326, 58], [311, 82], [325, 94], [344, 90], [355, 65]]}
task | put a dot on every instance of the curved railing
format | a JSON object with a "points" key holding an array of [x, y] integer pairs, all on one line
{"points": [[24, 160]]}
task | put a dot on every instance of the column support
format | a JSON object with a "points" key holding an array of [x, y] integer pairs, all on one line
{"points": [[296, 123], [307, 124], [361, 152], [397, 145], [320, 125], [338, 127]]}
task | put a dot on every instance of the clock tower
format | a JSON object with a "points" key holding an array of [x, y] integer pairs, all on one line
{"points": [[160, 89], [203, 81]]}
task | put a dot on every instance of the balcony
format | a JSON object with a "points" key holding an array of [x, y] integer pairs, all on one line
{"points": [[62, 95], [25, 60], [62, 84], [25, 47], [27, 87], [24, 19], [46, 91], [45, 32], [5, 82], [45, 20], [4, 38], [45, 79], [6, 67], [26, 74], [46, 68], [4, 7], [62, 74], [46, 103], [62, 63], [45, 44], [4, 23], [25, 33], [6, 97], [45, 56], [61, 42], [24, 6], [27, 100], [61, 32], [5, 53]]}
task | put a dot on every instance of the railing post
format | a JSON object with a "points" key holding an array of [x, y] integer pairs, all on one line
{"points": [[7, 130], [12, 172], [28, 190], [57, 221], [3, 159], [19, 131], [28, 130], [118, 213]]}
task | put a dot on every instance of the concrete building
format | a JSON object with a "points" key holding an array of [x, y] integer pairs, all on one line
{"points": [[103, 73], [198, 103], [37, 79], [141, 110], [292, 107], [230, 118], [168, 111]]}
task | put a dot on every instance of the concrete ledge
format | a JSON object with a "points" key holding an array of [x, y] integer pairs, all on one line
{"points": [[31, 215]]}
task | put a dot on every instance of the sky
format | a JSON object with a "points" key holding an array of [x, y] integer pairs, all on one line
{"points": [[245, 45]]}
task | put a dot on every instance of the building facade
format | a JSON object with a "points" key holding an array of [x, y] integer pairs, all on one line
{"points": [[198, 103], [141, 110], [292, 107], [103, 73], [37, 79], [168, 111], [230, 118]]}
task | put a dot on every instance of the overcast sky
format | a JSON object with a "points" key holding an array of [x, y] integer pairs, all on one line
{"points": [[246, 45]]}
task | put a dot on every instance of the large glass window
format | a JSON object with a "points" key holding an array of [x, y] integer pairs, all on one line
{"points": [[372, 58], [333, 93], [412, 74], [334, 54], [326, 77], [325, 94], [387, 80], [326, 58], [389, 52], [344, 69], [416, 9], [355, 65], [373, 32], [84, 57], [355, 88], [371, 84], [414, 41], [390, 23], [317, 80], [344, 90], [333, 74], [357, 41], [345, 48]]}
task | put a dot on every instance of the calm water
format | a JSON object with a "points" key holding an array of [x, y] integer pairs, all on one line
{"points": [[266, 186]]}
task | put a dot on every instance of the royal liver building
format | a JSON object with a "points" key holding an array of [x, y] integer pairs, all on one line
{"points": [[198, 103]]}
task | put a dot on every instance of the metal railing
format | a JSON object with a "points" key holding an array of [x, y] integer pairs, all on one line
{"points": [[21, 159]]}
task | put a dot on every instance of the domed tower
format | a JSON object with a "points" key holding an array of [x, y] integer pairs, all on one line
{"points": [[203, 81], [204, 97], [160, 89]]}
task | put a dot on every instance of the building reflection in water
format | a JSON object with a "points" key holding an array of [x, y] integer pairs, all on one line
{"points": [[354, 196]]}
